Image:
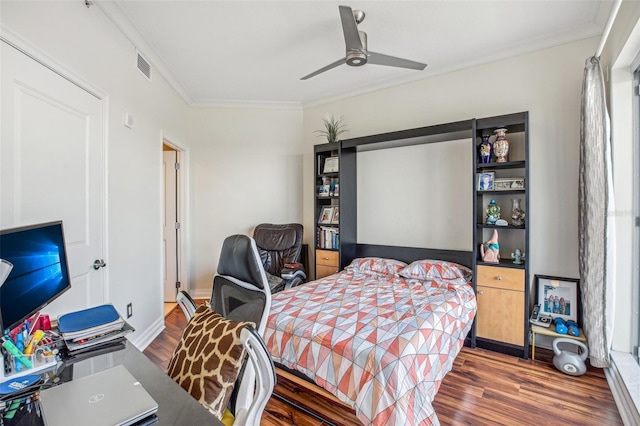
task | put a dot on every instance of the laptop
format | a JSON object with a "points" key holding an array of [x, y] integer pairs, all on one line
{"points": [[110, 397]]}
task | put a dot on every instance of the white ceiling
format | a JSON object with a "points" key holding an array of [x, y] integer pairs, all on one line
{"points": [[254, 52]]}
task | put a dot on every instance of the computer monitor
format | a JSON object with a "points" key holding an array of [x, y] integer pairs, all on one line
{"points": [[38, 271]]}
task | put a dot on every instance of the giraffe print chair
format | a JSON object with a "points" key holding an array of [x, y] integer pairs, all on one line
{"points": [[235, 387]]}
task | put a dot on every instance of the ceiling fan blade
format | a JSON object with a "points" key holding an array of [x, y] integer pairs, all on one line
{"points": [[350, 29], [323, 69], [392, 61]]}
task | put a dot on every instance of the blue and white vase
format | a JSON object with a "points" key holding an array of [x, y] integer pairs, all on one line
{"points": [[485, 150]]}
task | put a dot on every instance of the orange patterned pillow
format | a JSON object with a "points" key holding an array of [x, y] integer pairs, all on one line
{"points": [[435, 270], [208, 359], [377, 264]]}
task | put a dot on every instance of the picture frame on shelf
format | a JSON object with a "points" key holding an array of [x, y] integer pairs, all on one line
{"points": [[507, 184], [335, 218], [331, 165], [485, 181], [323, 190], [326, 215], [332, 187], [558, 297]]}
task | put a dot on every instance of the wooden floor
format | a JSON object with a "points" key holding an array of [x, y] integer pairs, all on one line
{"points": [[484, 388]]}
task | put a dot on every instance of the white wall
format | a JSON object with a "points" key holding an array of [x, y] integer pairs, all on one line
{"points": [[546, 83], [430, 217], [246, 169], [84, 41]]}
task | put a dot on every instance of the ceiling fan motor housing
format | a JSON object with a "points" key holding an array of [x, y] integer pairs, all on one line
{"points": [[357, 58]]}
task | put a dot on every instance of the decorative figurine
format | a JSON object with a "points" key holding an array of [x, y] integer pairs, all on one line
{"points": [[518, 256], [517, 214], [485, 151], [493, 213], [501, 146], [490, 251]]}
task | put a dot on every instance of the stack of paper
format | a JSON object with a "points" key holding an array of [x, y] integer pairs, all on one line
{"points": [[91, 327]]}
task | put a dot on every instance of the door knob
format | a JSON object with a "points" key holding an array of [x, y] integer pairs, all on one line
{"points": [[481, 292], [99, 263]]}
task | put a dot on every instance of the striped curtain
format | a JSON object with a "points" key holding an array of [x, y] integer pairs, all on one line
{"points": [[596, 221]]}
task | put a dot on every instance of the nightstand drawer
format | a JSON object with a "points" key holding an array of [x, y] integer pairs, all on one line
{"points": [[496, 277], [327, 257], [324, 271]]}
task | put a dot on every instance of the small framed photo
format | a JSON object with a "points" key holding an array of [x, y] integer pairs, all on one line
{"points": [[559, 297], [330, 165], [335, 219], [323, 190], [485, 181], [326, 215], [506, 184]]}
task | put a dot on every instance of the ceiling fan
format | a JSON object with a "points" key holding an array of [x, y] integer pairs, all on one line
{"points": [[356, 44]]}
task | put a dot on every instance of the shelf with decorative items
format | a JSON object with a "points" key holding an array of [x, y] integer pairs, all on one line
{"points": [[501, 234], [327, 208]]}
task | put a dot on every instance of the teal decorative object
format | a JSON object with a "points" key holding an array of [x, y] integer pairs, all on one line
{"points": [[518, 256], [493, 213]]}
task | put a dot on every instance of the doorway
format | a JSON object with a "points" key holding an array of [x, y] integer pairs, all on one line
{"points": [[171, 224]]}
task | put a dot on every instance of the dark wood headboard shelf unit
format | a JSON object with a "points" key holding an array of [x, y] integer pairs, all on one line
{"points": [[500, 287], [409, 254], [417, 136], [348, 171]]}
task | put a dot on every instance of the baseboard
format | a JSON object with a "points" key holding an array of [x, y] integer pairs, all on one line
{"points": [[623, 379], [201, 293], [145, 338]]}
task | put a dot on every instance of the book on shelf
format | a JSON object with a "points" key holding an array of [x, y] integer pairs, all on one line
{"points": [[328, 237]]}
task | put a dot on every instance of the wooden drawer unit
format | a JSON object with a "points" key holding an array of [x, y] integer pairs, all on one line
{"points": [[327, 263], [501, 301], [493, 276], [500, 315]]}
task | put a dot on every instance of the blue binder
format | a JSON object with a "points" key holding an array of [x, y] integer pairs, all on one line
{"points": [[87, 318]]}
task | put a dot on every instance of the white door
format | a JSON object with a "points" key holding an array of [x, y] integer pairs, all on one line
{"points": [[170, 160], [52, 167]]}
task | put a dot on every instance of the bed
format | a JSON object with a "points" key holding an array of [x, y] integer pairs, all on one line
{"points": [[379, 335]]}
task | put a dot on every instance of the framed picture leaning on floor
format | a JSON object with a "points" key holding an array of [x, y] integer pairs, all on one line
{"points": [[559, 297]]}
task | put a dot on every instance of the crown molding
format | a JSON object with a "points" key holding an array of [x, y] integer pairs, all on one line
{"points": [[214, 103], [15, 40], [117, 16], [542, 43], [115, 13]]}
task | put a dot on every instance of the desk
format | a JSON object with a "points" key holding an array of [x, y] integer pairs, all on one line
{"points": [[551, 331], [175, 406]]}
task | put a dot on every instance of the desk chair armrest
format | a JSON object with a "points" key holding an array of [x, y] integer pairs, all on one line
{"points": [[186, 303], [258, 381]]}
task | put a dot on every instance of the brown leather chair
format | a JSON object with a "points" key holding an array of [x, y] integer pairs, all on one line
{"points": [[280, 248]]}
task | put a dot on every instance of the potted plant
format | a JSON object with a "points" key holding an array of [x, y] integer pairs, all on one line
{"points": [[332, 128]]}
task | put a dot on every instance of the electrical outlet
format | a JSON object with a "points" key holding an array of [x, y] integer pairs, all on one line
{"points": [[129, 310]]}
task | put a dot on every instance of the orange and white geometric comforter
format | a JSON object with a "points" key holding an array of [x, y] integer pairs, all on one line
{"points": [[380, 343]]}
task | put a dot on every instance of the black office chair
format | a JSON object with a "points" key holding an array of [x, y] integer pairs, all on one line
{"points": [[241, 293], [280, 248]]}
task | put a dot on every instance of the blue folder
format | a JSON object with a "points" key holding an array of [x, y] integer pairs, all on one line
{"points": [[87, 318]]}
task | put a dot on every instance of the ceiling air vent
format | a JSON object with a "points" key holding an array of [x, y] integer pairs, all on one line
{"points": [[143, 65]]}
